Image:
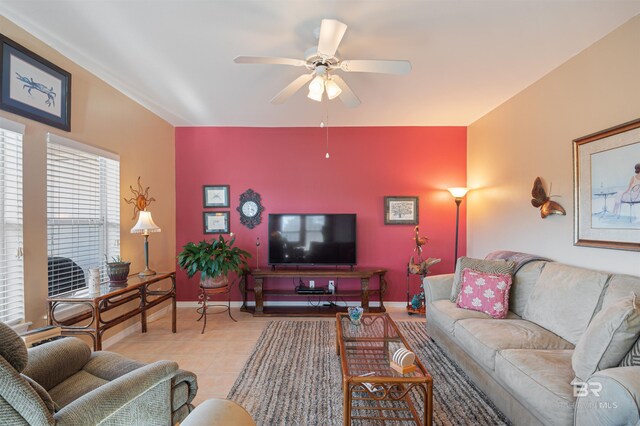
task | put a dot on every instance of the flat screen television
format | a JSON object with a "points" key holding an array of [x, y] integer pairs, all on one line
{"points": [[312, 239]]}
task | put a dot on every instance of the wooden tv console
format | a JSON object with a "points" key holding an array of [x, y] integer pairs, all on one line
{"points": [[260, 290]]}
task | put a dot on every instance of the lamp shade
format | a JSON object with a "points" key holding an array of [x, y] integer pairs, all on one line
{"points": [[317, 84], [458, 192], [316, 96], [145, 224], [333, 89]]}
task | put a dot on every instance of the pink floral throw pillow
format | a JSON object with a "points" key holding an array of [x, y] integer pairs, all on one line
{"points": [[484, 292]]}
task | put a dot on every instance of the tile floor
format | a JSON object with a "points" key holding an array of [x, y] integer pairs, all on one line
{"points": [[218, 355]]}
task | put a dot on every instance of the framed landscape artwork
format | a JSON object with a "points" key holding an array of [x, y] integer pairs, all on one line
{"points": [[216, 222], [33, 87], [400, 210], [216, 195], [607, 188]]}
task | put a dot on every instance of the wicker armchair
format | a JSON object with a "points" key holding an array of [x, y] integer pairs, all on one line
{"points": [[63, 383]]}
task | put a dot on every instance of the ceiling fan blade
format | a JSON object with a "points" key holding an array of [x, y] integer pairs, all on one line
{"points": [[292, 88], [331, 33], [348, 98], [381, 66], [268, 60]]}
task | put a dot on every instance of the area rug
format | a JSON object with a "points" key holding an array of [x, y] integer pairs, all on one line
{"points": [[293, 378]]}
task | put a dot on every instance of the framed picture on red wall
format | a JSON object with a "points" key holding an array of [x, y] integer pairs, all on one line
{"points": [[215, 195], [216, 222], [400, 210]]}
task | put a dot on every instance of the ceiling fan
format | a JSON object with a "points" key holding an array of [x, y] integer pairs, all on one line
{"points": [[324, 62]]}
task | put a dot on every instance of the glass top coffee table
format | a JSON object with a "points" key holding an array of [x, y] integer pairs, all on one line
{"points": [[373, 391]]}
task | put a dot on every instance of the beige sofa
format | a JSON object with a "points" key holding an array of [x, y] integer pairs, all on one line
{"points": [[524, 362]]}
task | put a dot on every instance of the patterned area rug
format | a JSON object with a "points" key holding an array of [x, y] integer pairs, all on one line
{"points": [[293, 378]]}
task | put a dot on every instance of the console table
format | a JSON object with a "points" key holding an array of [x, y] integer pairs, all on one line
{"points": [[138, 289], [260, 290]]}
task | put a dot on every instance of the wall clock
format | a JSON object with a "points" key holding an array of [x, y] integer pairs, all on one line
{"points": [[250, 208]]}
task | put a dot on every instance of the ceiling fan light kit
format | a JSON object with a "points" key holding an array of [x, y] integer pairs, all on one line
{"points": [[323, 62]]}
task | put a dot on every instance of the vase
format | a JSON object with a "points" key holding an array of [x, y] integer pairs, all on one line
{"points": [[118, 273], [355, 314], [214, 282], [94, 280]]}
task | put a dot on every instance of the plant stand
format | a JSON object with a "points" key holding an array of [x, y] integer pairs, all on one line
{"points": [[410, 309]]}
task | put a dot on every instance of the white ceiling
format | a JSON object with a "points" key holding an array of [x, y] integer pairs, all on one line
{"points": [[176, 56]]}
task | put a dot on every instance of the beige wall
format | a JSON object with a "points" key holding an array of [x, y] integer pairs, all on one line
{"points": [[103, 117], [531, 135]]}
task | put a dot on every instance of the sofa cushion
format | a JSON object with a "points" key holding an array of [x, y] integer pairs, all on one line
{"points": [[541, 380], [483, 292], [609, 337], [480, 265], [620, 286], [445, 314], [523, 282], [482, 338], [564, 299]]}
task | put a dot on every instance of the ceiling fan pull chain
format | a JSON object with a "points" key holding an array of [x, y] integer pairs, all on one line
{"points": [[327, 131]]}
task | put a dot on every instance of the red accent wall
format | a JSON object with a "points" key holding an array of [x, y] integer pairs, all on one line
{"points": [[288, 168]]}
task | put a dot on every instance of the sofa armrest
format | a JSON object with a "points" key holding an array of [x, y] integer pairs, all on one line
{"points": [[611, 396], [141, 397], [51, 363], [437, 287]]}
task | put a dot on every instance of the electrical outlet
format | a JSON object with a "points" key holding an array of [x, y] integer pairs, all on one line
{"points": [[312, 284], [332, 287]]}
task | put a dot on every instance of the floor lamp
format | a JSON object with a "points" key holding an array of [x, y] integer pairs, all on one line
{"points": [[144, 226], [458, 195]]}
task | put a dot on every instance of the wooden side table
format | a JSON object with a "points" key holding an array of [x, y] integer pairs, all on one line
{"points": [[141, 289]]}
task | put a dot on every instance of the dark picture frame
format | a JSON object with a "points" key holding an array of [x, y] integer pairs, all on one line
{"points": [[400, 210], [216, 222], [33, 87], [215, 196], [607, 188]]}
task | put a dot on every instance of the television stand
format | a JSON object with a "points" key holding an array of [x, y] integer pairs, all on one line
{"points": [[261, 291]]}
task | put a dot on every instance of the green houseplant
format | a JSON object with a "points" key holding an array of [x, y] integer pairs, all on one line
{"points": [[118, 270], [214, 260]]}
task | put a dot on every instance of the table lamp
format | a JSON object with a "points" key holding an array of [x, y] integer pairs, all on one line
{"points": [[144, 226]]}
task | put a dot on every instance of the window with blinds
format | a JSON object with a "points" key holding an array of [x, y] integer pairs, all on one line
{"points": [[11, 268], [83, 212]]}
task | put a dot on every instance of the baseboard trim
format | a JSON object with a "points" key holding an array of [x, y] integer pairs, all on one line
{"points": [[194, 304], [135, 328]]}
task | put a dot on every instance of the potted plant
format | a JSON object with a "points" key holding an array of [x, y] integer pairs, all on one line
{"points": [[214, 260], [117, 270]]}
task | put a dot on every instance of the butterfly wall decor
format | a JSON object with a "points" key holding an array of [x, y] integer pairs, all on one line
{"points": [[540, 199]]}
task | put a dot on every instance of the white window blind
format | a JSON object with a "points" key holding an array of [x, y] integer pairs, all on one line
{"points": [[11, 267], [83, 212]]}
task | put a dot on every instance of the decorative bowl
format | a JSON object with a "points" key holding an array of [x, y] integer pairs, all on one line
{"points": [[355, 313]]}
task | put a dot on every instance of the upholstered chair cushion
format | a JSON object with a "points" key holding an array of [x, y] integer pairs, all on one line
{"points": [[42, 393], [54, 362], [12, 348]]}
